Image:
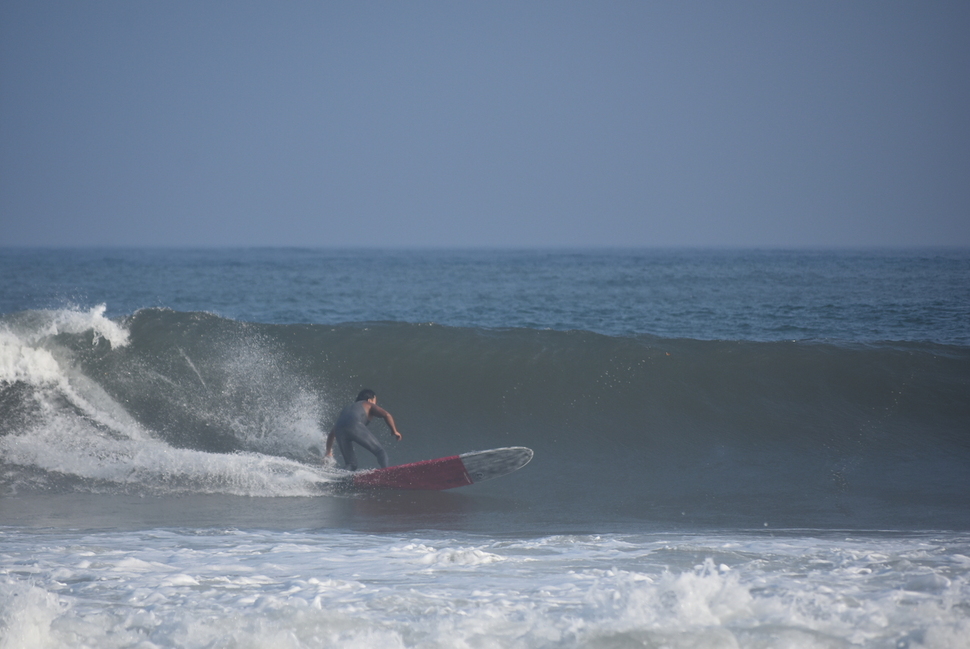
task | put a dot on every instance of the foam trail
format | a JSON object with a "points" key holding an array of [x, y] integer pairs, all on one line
{"points": [[78, 433]]}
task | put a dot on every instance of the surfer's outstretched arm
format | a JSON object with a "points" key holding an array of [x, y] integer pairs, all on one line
{"points": [[330, 439], [386, 416]]}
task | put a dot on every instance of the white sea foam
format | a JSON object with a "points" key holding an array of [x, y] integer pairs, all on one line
{"points": [[27, 614], [340, 589], [127, 457], [27, 356], [450, 556], [77, 429], [24, 362], [75, 447], [35, 326]]}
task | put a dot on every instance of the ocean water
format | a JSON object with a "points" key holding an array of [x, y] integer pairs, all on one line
{"points": [[732, 448]]}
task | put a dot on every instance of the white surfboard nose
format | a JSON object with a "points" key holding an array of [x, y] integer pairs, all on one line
{"points": [[485, 465]]}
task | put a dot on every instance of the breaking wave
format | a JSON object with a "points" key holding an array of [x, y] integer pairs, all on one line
{"points": [[727, 432]]}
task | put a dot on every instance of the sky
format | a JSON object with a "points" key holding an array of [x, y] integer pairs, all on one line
{"points": [[485, 124]]}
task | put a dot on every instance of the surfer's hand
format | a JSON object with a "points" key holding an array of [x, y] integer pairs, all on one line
{"points": [[397, 436]]}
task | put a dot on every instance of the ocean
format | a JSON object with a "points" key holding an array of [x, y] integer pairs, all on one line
{"points": [[733, 448]]}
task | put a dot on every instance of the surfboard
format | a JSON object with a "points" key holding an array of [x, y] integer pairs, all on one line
{"points": [[447, 472]]}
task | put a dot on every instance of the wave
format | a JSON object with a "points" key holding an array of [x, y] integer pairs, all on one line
{"points": [[797, 432]]}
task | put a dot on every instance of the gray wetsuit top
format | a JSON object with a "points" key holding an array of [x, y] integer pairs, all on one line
{"points": [[351, 427]]}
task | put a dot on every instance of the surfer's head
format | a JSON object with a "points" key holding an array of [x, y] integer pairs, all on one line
{"points": [[366, 395]]}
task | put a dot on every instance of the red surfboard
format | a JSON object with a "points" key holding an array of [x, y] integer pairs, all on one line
{"points": [[447, 472]]}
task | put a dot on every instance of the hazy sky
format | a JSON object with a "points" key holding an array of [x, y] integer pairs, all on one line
{"points": [[457, 123]]}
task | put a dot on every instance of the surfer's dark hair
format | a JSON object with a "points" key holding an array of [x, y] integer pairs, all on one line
{"points": [[364, 395]]}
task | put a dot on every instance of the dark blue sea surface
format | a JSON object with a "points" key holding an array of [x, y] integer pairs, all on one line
{"points": [[757, 295]]}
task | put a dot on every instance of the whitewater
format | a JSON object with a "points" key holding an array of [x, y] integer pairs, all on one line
{"points": [[733, 448]]}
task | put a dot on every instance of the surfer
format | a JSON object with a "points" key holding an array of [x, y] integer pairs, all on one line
{"points": [[351, 427]]}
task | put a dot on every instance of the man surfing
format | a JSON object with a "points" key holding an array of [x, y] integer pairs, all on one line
{"points": [[351, 427]]}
